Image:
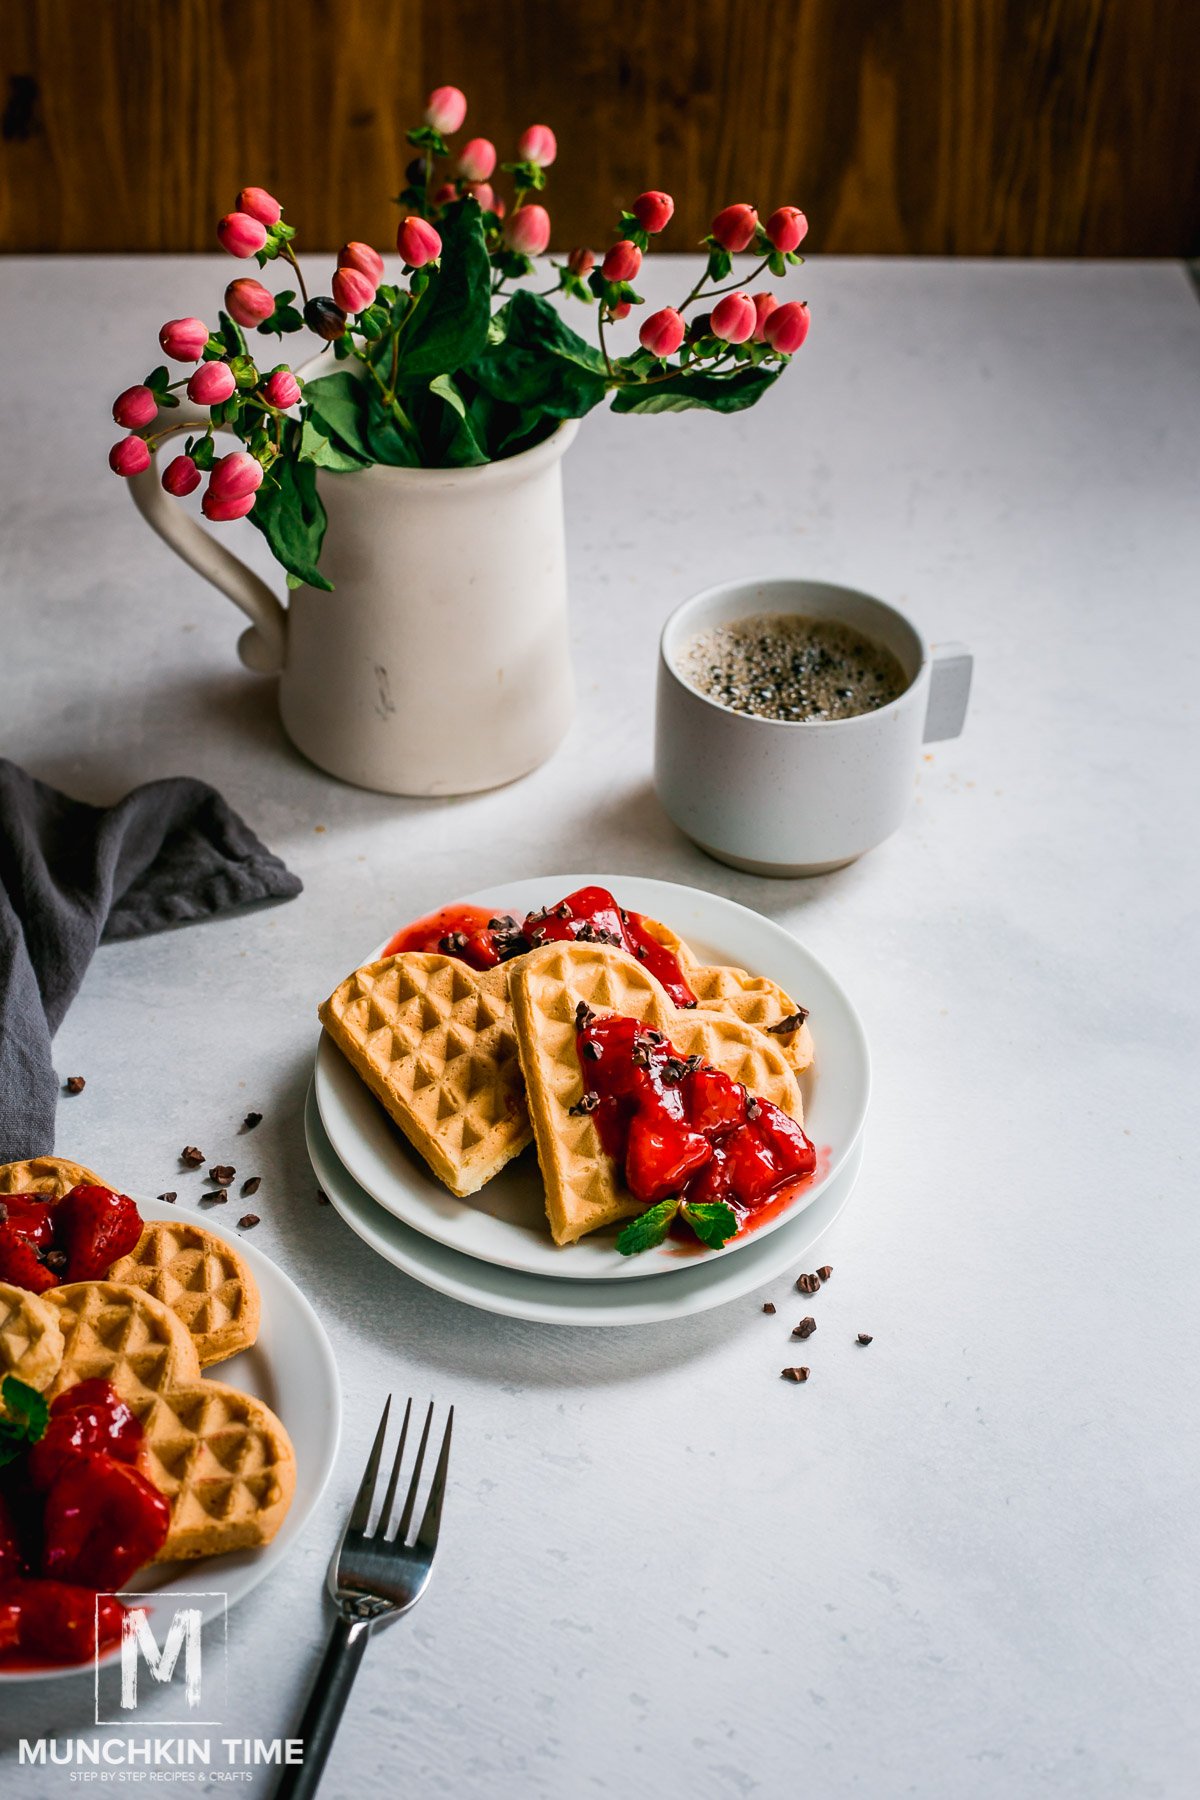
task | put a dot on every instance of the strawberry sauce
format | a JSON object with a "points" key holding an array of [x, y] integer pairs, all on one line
{"points": [[480, 937], [678, 1127]]}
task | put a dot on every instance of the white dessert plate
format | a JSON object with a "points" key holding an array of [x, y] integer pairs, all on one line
{"points": [[505, 1223], [705, 1283], [291, 1368]]}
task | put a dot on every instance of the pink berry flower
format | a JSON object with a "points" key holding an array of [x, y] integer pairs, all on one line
{"points": [[181, 476], [184, 339], [282, 389], [445, 109], [787, 327], [221, 511], [733, 318], [622, 262], [734, 226], [764, 306], [663, 332], [260, 205], [353, 291], [622, 309], [528, 230], [443, 195], [212, 383], [537, 144], [129, 457], [237, 476], [477, 159], [368, 262], [787, 227], [485, 193], [249, 302], [417, 242], [653, 211], [581, 262], [135, 407], [241, 234]]}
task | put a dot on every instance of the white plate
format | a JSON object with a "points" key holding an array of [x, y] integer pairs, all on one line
{"points": [[291, 1368], [707, 1282], [505, 1223]]}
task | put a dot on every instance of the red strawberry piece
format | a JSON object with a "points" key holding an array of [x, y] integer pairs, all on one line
{"points": [[660, 1156], [95, 1227], [792, 1151], [58, 1621], [89, 1418], [102, 1521], [20, 1263], [12, 1559], [31, 1217], [714, 1101], [750, 1169]]}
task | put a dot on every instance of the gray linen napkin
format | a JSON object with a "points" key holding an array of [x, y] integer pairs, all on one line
{"points": [[73, 876]]}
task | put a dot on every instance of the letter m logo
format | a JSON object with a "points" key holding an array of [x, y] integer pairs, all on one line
{"points": [[161, 1647]]}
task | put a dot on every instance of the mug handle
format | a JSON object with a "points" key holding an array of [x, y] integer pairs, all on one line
{"points": [[950, 667], [261, 648]]}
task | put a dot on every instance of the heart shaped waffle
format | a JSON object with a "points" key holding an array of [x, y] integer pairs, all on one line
{"points": [[582, 1188], [434, 1041], [202, 1279], [31, 1340], [45, 1175], [220, 1456], [754, 999]]}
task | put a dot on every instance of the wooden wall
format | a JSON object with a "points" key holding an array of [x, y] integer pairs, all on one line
{"points": [[942, 127]]}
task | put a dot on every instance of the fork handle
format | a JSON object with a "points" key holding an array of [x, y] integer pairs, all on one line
{"points": [[326, 1703]]}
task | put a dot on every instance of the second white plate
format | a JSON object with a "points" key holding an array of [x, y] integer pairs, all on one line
{"points": [[505, 1224]]}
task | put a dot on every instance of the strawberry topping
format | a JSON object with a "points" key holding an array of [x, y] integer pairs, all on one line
{"points": [[95, 1227]]}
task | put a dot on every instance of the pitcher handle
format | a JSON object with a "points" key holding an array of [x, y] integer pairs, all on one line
{"points": [[261, 647], [950, 669]]}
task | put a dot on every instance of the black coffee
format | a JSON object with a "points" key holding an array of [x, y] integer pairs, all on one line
{"points": [[788, 666]]}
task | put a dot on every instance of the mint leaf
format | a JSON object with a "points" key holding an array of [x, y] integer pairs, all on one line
{"points": [[23, 1420], [712, 1221], [649, 1230]]}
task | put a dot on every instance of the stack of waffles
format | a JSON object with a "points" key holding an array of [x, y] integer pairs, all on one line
{"points": [[471, 1065]]}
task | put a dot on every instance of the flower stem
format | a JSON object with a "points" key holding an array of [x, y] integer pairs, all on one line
{"points": [[713, 292], [291, 257]]}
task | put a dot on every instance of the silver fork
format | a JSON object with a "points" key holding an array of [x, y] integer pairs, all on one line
{"points": [[373, 1578]]}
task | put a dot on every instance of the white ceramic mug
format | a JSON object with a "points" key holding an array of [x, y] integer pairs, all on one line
{"points": [[780, 797]]}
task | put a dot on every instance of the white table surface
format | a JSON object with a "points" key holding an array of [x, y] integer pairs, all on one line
{"points": [[959, 1563]]}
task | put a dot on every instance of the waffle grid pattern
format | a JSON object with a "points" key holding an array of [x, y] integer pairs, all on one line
{"points": [[754, 999], [582, 1191], [31, 1339], [45, 1175], [202, 1279]]}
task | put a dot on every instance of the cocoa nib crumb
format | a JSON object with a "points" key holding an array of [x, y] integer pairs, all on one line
{"points": [[825, 1271], [591, 1051], [583, 1016], [251, 1120], [247, 1220], [191, 1156], [222, 1174], [805, 1328], [864, 1337], [752, 1108], [55, 1259], [170, 1197], [452, 943], [809, 1284], [768, 1306], [218, 1196], [251, 1186], [587, 1103], [794, 1374], [793, 1022], [74, 1084]]}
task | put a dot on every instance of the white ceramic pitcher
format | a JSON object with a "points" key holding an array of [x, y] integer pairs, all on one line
{"points": [[439, 664]]}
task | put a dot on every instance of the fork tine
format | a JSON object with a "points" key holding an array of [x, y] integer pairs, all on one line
{"points": [[366, 1492], [394, 1481], [427, 1535], [410, 1503]]}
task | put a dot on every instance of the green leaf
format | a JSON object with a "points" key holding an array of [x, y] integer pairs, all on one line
{"points": [[424, 137], [451, 438], [712, 1221], [231, 335], [205, 453], [288, 512], [648, 1231], [716, 393], [284, 318], [719, 263], [316, 448], [337, 404], [540, 363], [387, 440], [24, 1419], [449, 325]]}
